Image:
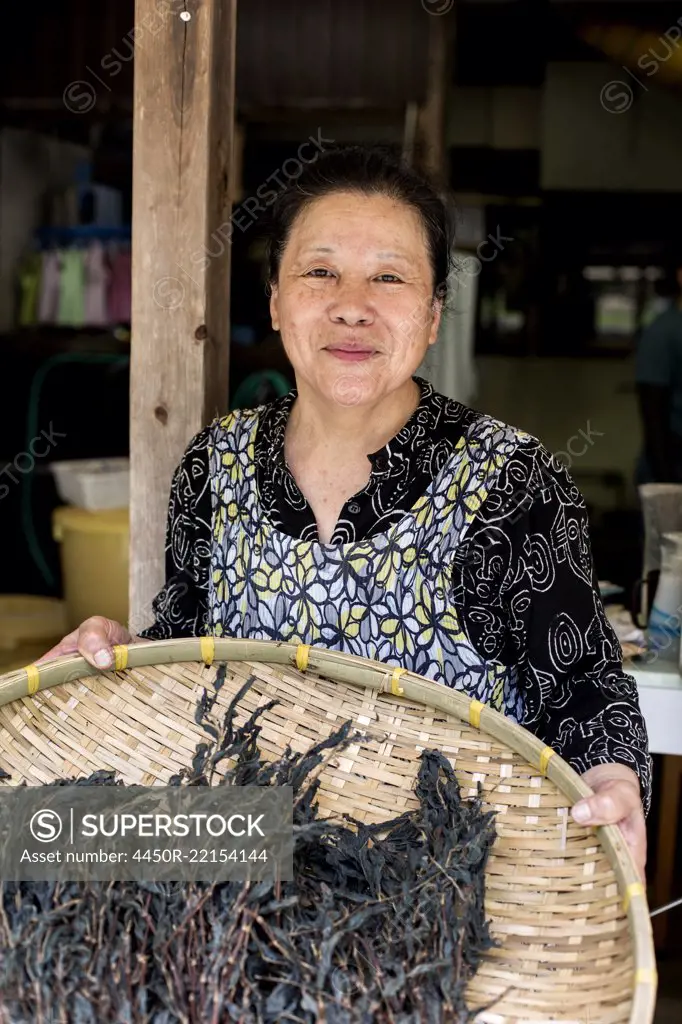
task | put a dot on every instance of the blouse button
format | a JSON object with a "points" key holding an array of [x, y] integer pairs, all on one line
{"points": [[381, 463], [353, 508]]}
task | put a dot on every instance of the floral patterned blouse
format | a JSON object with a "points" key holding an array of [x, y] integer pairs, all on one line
{"points": [[466, 558]]}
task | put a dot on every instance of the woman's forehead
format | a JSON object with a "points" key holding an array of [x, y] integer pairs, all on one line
{"points": [[340, 219]]}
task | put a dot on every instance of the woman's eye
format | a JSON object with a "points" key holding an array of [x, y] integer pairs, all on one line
{"points": [[318, 272], [389, 278]]}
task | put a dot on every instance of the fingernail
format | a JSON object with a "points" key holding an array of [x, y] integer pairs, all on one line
{"points": [[581, 813], [103, 659]]}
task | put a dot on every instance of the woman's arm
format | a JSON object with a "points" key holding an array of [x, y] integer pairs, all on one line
{"points": [[180, 606], [531, 545], [580, 701]]}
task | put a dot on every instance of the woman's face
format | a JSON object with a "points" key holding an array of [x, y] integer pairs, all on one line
{"points": [[354, 300]]}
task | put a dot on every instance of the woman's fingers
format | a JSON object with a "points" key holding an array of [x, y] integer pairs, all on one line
{"points": [[612, 802], [67, 645], [616, 801], [634, 833], [93, 639], [96, 638]]}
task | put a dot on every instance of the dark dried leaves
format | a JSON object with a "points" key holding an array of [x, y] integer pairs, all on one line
{"points": [[382, 923]]}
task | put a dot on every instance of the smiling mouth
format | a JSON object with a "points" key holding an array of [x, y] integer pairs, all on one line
{"points": [[351, 355], [350, 351]]}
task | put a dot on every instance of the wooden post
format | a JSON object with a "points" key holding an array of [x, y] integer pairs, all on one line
{"points": [[431, 118], [182, 164]]}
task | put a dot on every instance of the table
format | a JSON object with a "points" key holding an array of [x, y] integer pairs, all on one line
{"points": [[660, 698]]}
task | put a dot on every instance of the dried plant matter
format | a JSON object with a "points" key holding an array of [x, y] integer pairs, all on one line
{"points": [[381, 923]]}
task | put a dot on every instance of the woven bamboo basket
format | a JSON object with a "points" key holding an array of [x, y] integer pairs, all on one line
{"points": [[571, 917]]}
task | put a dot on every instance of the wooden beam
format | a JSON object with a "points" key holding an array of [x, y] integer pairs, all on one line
{"points": [[182, 165]]}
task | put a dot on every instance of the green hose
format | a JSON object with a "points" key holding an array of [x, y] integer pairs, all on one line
{"points": [[32, 432], [248, 393]]}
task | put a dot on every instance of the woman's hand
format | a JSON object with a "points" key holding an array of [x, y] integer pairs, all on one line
{"points": [[94, 639], [616, 801]]}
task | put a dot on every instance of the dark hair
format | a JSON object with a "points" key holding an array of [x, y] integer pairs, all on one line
{"points": [[368, 171]]}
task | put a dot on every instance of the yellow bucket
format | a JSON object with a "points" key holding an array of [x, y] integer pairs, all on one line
{"points": [[29, 625], [94, 557]]}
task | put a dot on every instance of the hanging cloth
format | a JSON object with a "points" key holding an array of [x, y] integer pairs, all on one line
{"points": [[29, 287], [96, 277], [48, 293], [71, 289], [119, 299]]}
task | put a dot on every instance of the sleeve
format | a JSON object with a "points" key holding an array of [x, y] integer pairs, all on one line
{"points": [[180, 607], [653, 364], [551, 623]]}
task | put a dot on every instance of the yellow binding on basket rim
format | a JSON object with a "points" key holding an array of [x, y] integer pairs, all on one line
{"points": [[475, 708], [396, 689], [545, 757], [33, 678], [120, 657], [646, 976], [302, 652], [207, 647], [633, 890]]}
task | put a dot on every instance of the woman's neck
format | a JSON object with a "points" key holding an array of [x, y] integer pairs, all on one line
{"points": [[318, 426]]}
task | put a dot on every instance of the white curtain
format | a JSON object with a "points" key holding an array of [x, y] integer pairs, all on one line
{"points": [[449, 364]]}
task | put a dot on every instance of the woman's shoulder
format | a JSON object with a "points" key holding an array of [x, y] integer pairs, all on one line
{"points": [[483, 427], [525, 463], [222, 431], [247, 420], [480, 427], [233, 427], [513, 455]]}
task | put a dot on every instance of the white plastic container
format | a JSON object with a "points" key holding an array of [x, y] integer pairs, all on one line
{"points": [[93, 484], [664, 626]]}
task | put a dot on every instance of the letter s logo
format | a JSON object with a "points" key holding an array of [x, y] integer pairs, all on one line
{"points": [[46, 826]]}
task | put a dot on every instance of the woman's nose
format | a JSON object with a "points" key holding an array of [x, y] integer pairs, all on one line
{"points": [[352, 305]]}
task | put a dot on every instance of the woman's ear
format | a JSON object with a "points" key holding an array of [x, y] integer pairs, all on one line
{"points": [[438, 309], [274, 307]]}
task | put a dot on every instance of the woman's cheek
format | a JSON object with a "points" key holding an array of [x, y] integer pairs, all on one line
{"points": [[408, 339], [412, 323], [294, 340]]}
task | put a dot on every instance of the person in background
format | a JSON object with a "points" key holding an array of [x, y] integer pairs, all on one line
{"points": [[658, 374]]}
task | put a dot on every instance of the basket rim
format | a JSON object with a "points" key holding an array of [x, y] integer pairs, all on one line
{"points": [[341, 667]]}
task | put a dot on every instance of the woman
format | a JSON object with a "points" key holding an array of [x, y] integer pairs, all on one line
{"points": [[366, 513]]}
